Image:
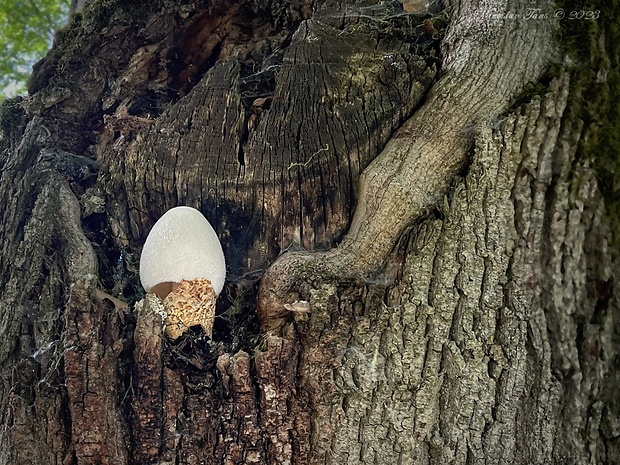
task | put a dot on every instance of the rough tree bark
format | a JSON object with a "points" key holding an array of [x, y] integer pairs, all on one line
{"points": [[420, 267]]}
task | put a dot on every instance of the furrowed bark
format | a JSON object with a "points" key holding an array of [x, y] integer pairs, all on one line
{"points": [[475, 323], [483, 351], [488, 60]]}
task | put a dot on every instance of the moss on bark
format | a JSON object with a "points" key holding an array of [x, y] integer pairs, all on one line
{"points": [[592, 47]]}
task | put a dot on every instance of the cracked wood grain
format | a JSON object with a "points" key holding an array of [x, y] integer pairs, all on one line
{"points": [[414, 168]]}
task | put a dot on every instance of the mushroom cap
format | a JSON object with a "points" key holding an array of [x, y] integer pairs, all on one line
{"points": [[182, 245]]}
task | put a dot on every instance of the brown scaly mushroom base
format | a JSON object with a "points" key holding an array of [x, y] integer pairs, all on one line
{"points": [[191, 303]]}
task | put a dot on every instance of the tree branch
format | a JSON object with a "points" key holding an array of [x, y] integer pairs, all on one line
{"points": [[483, 72]]}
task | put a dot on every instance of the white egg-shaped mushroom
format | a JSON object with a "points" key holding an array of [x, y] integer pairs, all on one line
{"points": [[183, 263]]}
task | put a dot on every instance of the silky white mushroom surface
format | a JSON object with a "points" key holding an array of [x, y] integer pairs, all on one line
{"points": [[182, 245]]}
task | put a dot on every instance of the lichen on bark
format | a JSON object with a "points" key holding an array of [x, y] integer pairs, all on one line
{"points": [[483, 345], [482, 326]]}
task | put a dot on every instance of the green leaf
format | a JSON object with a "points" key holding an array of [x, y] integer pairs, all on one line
{"points": [[26, 32]]}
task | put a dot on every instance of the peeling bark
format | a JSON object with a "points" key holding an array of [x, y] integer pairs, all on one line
{"points": [[149, 383], [98, 429]]}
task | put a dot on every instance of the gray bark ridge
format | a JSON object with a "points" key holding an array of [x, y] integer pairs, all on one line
{"points": [[494, 347], [491, 51]]}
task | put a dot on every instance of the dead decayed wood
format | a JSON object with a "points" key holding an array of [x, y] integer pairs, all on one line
{"points": [[491, 336], [148, 396]]}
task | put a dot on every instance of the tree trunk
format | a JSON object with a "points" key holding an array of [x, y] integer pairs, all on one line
{"points": [[420, 263]]}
